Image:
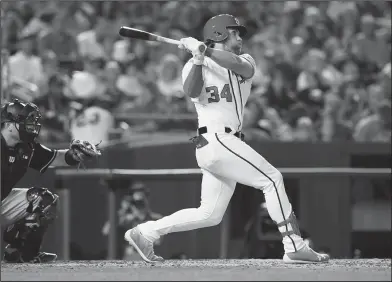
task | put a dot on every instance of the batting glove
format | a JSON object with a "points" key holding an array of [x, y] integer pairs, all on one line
{"points": [[193, 45], [198, 59]]}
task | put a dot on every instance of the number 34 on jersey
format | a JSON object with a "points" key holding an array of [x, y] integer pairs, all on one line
{"points": [[216, 95]]}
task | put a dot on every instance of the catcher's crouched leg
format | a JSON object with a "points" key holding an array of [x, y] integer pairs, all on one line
{"points": [[24, 238]]}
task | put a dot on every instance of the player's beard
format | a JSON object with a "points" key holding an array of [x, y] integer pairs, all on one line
{"points": [[236, 49]]}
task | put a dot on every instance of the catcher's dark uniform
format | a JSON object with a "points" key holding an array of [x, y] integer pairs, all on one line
{"points": [[27, 212], [24, 227], [14, 163], [16, 160]]}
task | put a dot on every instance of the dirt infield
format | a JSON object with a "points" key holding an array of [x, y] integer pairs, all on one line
{"points": [[375, 269]]}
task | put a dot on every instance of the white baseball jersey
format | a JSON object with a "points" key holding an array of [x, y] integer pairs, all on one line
{"points": [[93, 125], [223, 96], [226, 160]]}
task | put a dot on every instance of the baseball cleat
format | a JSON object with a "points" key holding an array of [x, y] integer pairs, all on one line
{"points": [[14, 256], [43, 257], [144, 247], [305, 255]]}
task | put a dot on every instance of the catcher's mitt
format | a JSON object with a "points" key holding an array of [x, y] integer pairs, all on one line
{"points": [[83, 150]]}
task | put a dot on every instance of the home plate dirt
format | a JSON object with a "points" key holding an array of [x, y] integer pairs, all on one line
{"points": [[244, 269]]}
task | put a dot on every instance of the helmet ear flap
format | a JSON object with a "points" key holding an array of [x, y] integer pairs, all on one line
{"points": [[209, 43]]}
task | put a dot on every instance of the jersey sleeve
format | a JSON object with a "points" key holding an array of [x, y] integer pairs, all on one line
{"points": [[42, 157], [252, 61]]}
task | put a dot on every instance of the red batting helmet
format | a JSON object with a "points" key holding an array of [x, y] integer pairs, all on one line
{"points": [[215, 28]]}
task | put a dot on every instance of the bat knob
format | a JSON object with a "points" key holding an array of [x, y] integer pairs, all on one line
{"points": [[202, 48], [122, 31]]}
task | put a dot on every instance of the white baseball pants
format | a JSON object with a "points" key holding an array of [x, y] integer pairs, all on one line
{"points": [[14, 206], [224, 161]]}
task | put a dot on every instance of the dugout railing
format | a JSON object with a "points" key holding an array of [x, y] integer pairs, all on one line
{"points": [[111, 176]]}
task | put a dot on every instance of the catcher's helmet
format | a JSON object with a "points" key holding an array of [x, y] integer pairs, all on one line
{"points": [[26, 115], [215, 29]]}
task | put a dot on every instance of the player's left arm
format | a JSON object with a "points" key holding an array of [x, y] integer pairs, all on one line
{"points": [[79, 151], [243, 65], [60, 158], [45, 157]]}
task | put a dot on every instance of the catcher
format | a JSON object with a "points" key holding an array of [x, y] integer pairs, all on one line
{"points": [[27, 213]]}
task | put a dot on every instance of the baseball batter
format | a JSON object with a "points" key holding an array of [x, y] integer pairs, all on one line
{"points": [[218, 81]]}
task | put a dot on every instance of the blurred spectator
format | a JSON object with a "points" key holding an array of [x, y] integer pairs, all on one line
{"points": [[134, 209], [121, 51], [297, 49], [280, 91], [255, 126], [317, 72], [322, 67], [11, 25], [25, 68], [281, 130], [112, 96], [385, 80], [316, 27], [331, 129], [83, 86], [353, 94], [26, 10], [4, 74], [97, 42], [345, 16], [169, 77], [189, 18], [376, 127], [92, 123], [50, 68], [304, 130], [94, 119], [42, 21], [376, 96], [24, 64], [140, 12], [370, 47], [134, 85], [88, 83], [263, 131], [55, 107], [59, 40]]}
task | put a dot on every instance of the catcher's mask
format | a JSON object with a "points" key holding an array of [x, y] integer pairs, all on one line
{"points": [[215, 29], [26, 117]]}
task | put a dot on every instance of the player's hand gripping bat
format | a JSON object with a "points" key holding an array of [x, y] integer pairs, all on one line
{"points": [[144, 35]]}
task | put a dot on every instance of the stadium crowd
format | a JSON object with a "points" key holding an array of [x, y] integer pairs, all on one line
{"points": [[324, 68]]}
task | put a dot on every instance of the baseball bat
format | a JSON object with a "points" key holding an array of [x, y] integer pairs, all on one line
{"points": [[130, 32]]}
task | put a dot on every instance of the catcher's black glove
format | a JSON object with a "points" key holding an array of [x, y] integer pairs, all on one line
{"points": [[82, 151]]}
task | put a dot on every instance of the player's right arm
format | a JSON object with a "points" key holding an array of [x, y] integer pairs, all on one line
{"points": [[192, 78]]}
